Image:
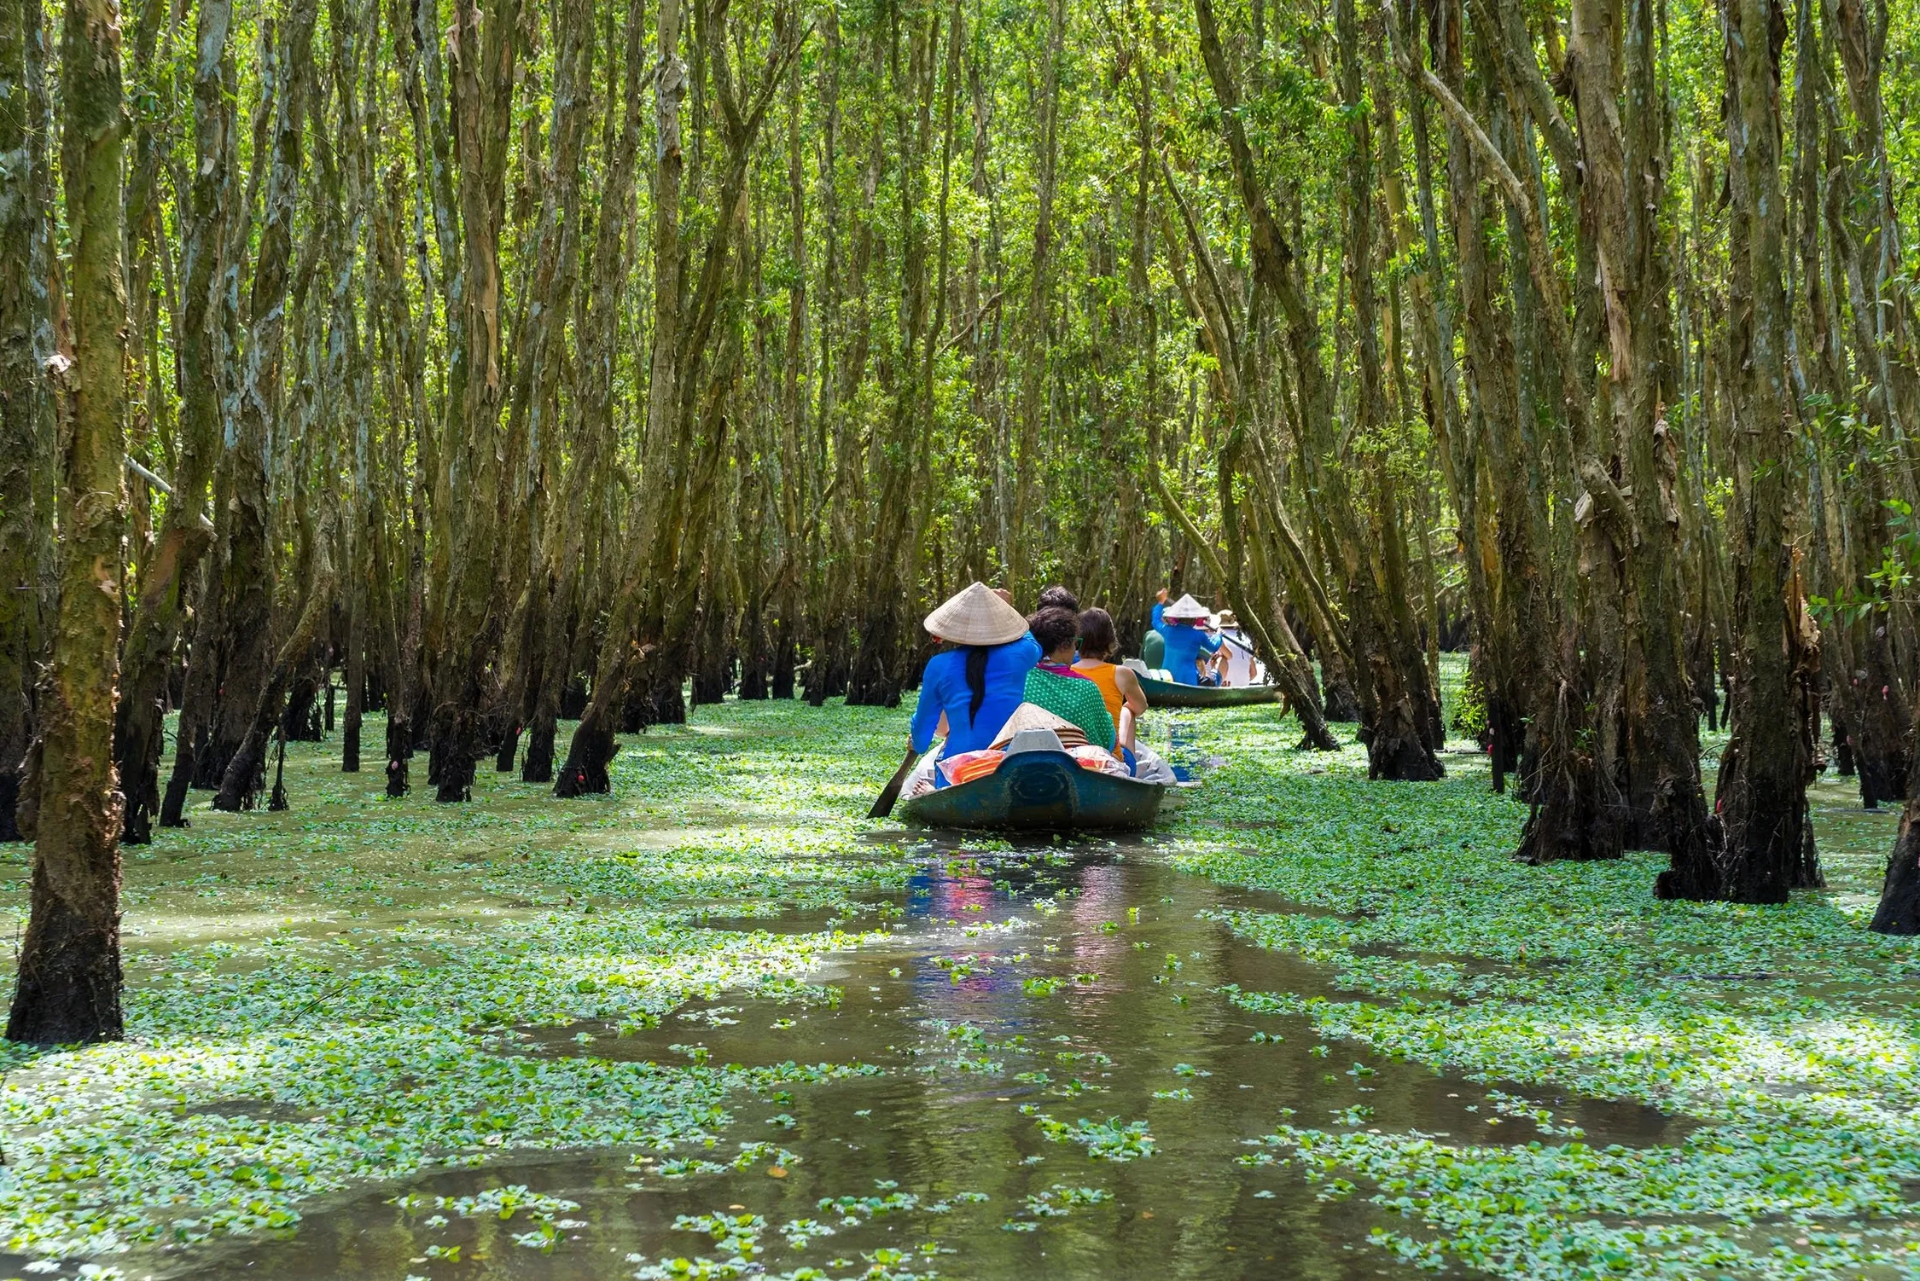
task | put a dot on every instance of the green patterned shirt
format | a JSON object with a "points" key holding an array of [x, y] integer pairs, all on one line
{"points": [[1075, 699]]}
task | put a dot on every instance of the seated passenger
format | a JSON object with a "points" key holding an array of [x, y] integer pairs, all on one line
{"points": [[977, 684], [1124, 697], [1055, 686], [1190, 649], [1119, 687], [1153, 645]]}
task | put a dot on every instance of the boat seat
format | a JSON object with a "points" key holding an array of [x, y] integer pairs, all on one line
{"points": [[1134, 665], [1035, 740]]}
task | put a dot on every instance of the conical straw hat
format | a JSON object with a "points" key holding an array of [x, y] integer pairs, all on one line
{"points": [[1034, 716], [1184, 609], [977, 616]]}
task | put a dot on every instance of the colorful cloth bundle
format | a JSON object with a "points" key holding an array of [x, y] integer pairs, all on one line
{"points": [[964, 767]]}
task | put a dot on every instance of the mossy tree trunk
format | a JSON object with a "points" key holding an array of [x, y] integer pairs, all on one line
{"points": [[68, 989]]}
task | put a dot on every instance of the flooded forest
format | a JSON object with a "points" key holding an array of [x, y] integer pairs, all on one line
{"points": [[489, 488]]}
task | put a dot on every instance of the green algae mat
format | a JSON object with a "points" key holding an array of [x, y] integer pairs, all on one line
{"points": [[718, 1024]]}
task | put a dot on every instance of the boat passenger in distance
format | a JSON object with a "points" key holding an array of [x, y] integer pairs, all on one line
{"points": [[977, 683], [1153, 644], [1190, 650], [1054, 685]]}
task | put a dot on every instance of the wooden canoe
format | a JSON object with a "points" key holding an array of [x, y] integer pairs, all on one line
{"points": [[1171, 694], [1040, 792]]}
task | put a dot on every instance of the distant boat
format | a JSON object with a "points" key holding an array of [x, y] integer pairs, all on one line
{"points": [[1173, 694], [1043, 791]]}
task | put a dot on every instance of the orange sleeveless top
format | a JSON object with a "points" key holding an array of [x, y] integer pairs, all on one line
{"points": [[1102, 674]]}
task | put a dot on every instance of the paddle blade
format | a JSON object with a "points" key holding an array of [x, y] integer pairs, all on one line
{"points": [[883, 806]]}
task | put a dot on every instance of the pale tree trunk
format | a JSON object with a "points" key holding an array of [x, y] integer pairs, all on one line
{"points": [[69, 981], [552, 591], [1494, 473], [170, 572], [1865, 673], [1572, 756], [794, 471], [246, 617], [246, 608], [592, 748], [483, 84], [1402, 734], [1228, 344]]}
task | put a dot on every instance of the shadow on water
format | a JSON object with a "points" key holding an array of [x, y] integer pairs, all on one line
{"points": [[1074, 985]]}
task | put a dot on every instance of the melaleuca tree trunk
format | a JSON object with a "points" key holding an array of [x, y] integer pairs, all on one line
{"points": [[1573, 736], [483, 59], [544, 532], [172, 577], [352, 720], [592, 748], [69, 981], [246, 775], [713, 656], [1273, 640], [797, 478], [1869, 681], [1402, 730], [26, 469], [1621, 147], [241, 637], [1764, 773], [1498, 473], [401, 496], [1898, 911]]}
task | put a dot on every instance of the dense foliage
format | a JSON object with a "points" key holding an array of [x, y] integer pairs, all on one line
{"points": [[505, 366]]}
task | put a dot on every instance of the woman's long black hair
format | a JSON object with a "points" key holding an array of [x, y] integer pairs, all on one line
{"points": [[977, 678]]}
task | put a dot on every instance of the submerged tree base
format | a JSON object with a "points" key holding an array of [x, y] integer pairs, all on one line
{"points": [[1899, 908]]}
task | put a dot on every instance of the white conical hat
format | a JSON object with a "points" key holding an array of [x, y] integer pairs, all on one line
{"points": [[1185, 608], [1034, 716], [977, 616]]}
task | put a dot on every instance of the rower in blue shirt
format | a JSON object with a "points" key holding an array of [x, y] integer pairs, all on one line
{"points": [[1189, 647]]}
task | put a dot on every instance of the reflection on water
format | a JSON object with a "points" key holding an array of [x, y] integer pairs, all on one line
{"points": [[1076, 987]]}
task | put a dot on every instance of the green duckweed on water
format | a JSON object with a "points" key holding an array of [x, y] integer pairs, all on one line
{"points": [[353, 1002]]}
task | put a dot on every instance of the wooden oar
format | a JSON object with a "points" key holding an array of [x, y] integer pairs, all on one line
{"points": [[891, 792]]}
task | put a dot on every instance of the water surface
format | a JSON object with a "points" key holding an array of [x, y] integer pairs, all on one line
{"points": [[1019, 992]]}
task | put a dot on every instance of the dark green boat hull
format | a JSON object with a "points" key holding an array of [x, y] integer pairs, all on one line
{"points": [[1170, 694], [1040, 792]]}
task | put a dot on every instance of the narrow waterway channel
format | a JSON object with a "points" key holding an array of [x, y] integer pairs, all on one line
{"points": [[1058, 1087]]}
